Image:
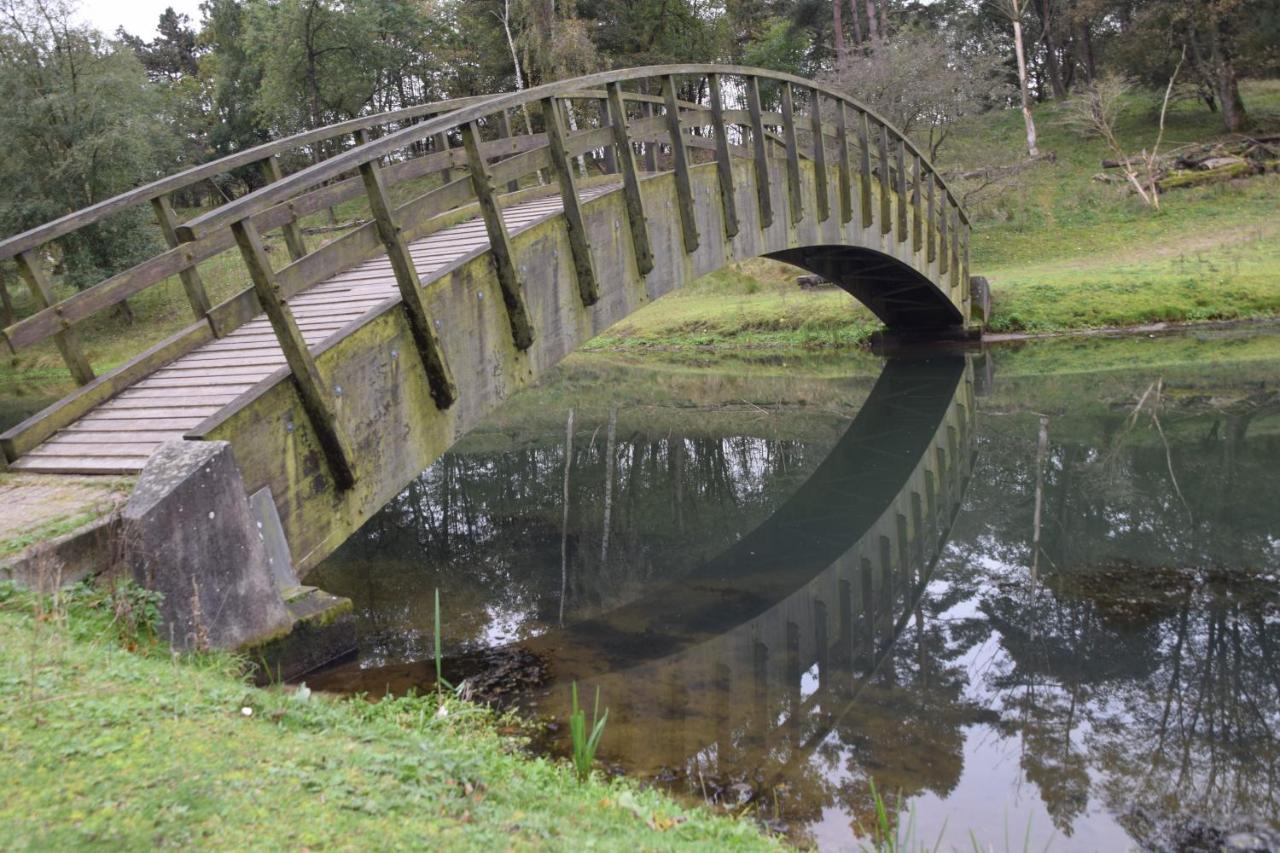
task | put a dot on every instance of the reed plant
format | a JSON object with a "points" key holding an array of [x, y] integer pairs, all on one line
{"points": [[584, 744]]}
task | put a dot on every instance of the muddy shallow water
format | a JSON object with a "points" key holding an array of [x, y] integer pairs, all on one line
{"points": [[1022, 605]]}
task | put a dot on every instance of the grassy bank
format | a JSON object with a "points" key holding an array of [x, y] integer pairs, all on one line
{"points": [[112, 747]]}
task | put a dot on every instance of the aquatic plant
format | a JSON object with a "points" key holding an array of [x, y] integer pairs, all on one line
{"points": [[435, 632], [584, 745]]}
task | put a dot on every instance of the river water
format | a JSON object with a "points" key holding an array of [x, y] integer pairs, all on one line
{"points": [[1031, 601]]}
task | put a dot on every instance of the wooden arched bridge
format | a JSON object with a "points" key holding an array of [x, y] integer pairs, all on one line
{"points": [[487, 256]]}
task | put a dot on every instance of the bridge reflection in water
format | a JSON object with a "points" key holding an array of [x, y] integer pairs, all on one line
{"points": [[733, 673]]}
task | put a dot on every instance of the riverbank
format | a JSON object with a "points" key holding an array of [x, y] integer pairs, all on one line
{"points": [[110, 740]]}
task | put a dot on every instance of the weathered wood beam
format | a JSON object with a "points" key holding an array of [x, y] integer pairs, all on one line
{"points": [[864, 168], [499, 240], [759, 142], [680, 161], [931, 223], [900, 188], [441, 141], [886, 201], [819, 155], [842, 163], [724, 163], [944, 250], [795, 194], [917, 215], [579, 246], [630, 182], [192, 284], [293, 238], [504, 126], [316, 398], [66, 341], [443, 388]]}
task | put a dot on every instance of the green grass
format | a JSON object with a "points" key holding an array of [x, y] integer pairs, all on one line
{"points": [[110, 748]]}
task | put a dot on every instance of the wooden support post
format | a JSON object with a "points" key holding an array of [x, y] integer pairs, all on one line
{"points": [[724, 165], [610, 159], [189, 276], [513, 185], [900, 187], [917, 215], [842, 164], [965, 287], [819, 155], [499, 239], [443, 389], [630, 181], [886, 204], [317, 400], [794, 193], [954, 225], [931, 220], [680, 159], [864, 144], [944, 250], [42, 293], [588, 289], [760, 145], [442, 144], [293, 239], [650, 148]]}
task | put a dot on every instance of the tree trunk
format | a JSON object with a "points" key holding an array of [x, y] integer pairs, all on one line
{"points": [[1234, 117], [1085, 39], [1016, 8], [1052, 64], [564, 523], [857, 21], [610, 450], [873, 31], [838, 24]]}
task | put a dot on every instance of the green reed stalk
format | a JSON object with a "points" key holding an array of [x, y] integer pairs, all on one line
{"points": [[584, 745]]}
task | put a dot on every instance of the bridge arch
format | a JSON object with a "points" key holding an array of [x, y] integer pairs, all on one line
{"points": [[381, 347]]}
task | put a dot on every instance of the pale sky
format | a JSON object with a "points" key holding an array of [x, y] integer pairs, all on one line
{"points": [[137, 16]]}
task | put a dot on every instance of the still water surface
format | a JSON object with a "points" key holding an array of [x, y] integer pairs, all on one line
{"points": [[1030, 606]]}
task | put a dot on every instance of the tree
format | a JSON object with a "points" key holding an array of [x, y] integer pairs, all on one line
{"points": [[80, 126]]}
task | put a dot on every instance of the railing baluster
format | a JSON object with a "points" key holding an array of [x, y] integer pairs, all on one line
{"points": [[724, 165], [42, 293], [192, 284], [819, 155], [588, 289], [513, 185], [794, 192], [842, 164], [317, 401], [761, 148], [442, 144], [292, 233], [966, 287], [955, 246], [443, 388], [917, 216], [931, 213], [499, 239], [886, 209], [630, 181], [680, 158], [610, 159], [944, 251], [650, 148], [864, 144], [900, 187]]}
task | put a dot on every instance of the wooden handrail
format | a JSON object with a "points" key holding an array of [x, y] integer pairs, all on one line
{"points": [[41, 234], [353, 158]]}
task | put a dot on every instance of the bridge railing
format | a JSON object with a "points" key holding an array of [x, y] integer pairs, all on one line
{"points": [[475, 162]]}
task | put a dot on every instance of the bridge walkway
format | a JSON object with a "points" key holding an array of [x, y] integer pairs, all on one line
{"points": [[118, 436]]}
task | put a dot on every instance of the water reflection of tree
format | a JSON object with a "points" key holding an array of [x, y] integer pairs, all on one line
{"points": [[1146, 663], [485, 526]]}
